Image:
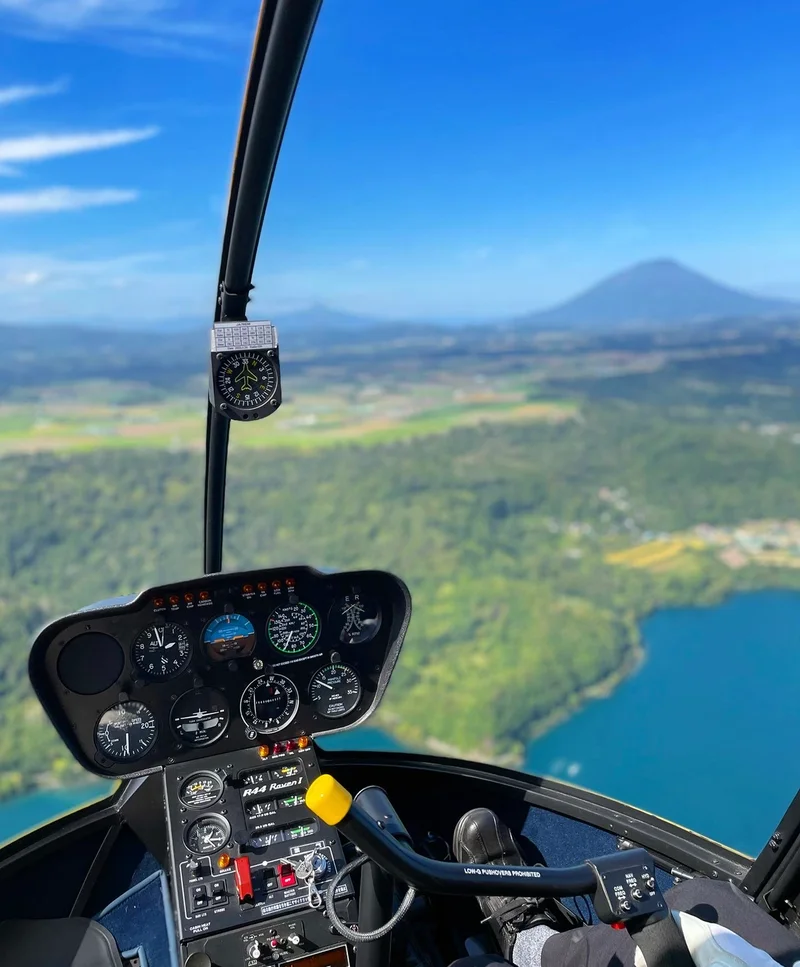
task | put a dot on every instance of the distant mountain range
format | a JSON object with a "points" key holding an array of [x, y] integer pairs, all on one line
{"points": [[660, 292]]}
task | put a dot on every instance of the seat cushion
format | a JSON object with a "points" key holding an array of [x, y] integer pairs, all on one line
{"points": [[73, 942]]}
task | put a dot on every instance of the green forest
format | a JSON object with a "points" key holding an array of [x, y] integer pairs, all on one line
{"points": [[502, 532]]}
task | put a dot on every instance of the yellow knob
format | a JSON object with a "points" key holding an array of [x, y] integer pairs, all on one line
{"points": [[328, 799]]}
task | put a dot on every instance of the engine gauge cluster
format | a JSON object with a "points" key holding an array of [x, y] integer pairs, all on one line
{"points": [[217, 664]]}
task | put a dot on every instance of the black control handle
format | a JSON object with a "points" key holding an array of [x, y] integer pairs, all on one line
{"points": [[465, 879]]}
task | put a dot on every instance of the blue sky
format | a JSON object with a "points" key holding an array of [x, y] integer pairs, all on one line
{"points": [[444, 159]]}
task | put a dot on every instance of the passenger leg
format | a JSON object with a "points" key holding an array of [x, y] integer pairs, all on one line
{"points": [[709, 900]]}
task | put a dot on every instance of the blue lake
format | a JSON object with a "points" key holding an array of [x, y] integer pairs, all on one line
{"points": [[692, 735], [695, 734], [25, 812]]}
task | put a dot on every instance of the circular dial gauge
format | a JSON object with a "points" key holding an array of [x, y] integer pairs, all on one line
{"points": [[293, 628], [335, 691], [126, 731], [247, 379], [200, 716], [200, 790], [229, 636], [359, 618], [161, 651], [207, 834], [269, 703]]}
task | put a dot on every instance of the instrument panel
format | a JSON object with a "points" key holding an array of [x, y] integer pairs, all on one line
{"points": [[218, 664]]}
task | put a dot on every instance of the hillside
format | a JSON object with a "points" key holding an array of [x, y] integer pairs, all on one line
{"points": [[525, 546], [661, 292]]}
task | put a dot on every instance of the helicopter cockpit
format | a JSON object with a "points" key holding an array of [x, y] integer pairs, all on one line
{"points": [[240, 835]]}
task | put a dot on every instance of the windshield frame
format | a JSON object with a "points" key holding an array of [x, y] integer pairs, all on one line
{"points": [[281, 42]]}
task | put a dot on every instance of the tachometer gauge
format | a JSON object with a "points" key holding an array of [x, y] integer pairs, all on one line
{"points": [[269, 703], [247, 379], [358, 617], [201, 790], [126, 731], [161, 651], [229, 636], [200, 716], [207, 834], [293, 628], [334, 691]]}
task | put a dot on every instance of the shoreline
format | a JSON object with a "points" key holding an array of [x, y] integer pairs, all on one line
{"points": [[633, 657]]}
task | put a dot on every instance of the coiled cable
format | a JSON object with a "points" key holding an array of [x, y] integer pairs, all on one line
{"points": [[353, 936]]}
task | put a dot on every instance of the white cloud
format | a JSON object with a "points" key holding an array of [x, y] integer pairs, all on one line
{"points": [[72, 13], [61, 200], [26, 278], [25, 92], [39, 147], [168, 27], [140, 288]]}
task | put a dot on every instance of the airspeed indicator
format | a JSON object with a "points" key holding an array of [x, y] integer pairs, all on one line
{"points": [[293, 628]]}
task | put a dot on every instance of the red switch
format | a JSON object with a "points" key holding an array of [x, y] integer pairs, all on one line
{"points": [[286, 877], [242, 878]]}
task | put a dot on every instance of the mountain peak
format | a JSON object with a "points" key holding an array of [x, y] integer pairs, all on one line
{"points": [[657, 292]]}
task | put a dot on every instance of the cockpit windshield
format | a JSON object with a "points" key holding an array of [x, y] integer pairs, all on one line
{"points": [[534, 273]]}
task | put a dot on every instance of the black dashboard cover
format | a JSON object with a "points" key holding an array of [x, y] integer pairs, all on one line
{"points": [[85, 664]]}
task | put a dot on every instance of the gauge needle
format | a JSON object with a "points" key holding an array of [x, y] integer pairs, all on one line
{"points": [[127, 743], [290, 637], [159, 641], [320, 682]]}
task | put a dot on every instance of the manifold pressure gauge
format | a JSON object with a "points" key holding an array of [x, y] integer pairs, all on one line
{"points": [[245, 373]]}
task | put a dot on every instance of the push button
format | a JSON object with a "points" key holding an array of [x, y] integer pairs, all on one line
{"points": [[219, 895], [286, 877]]}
